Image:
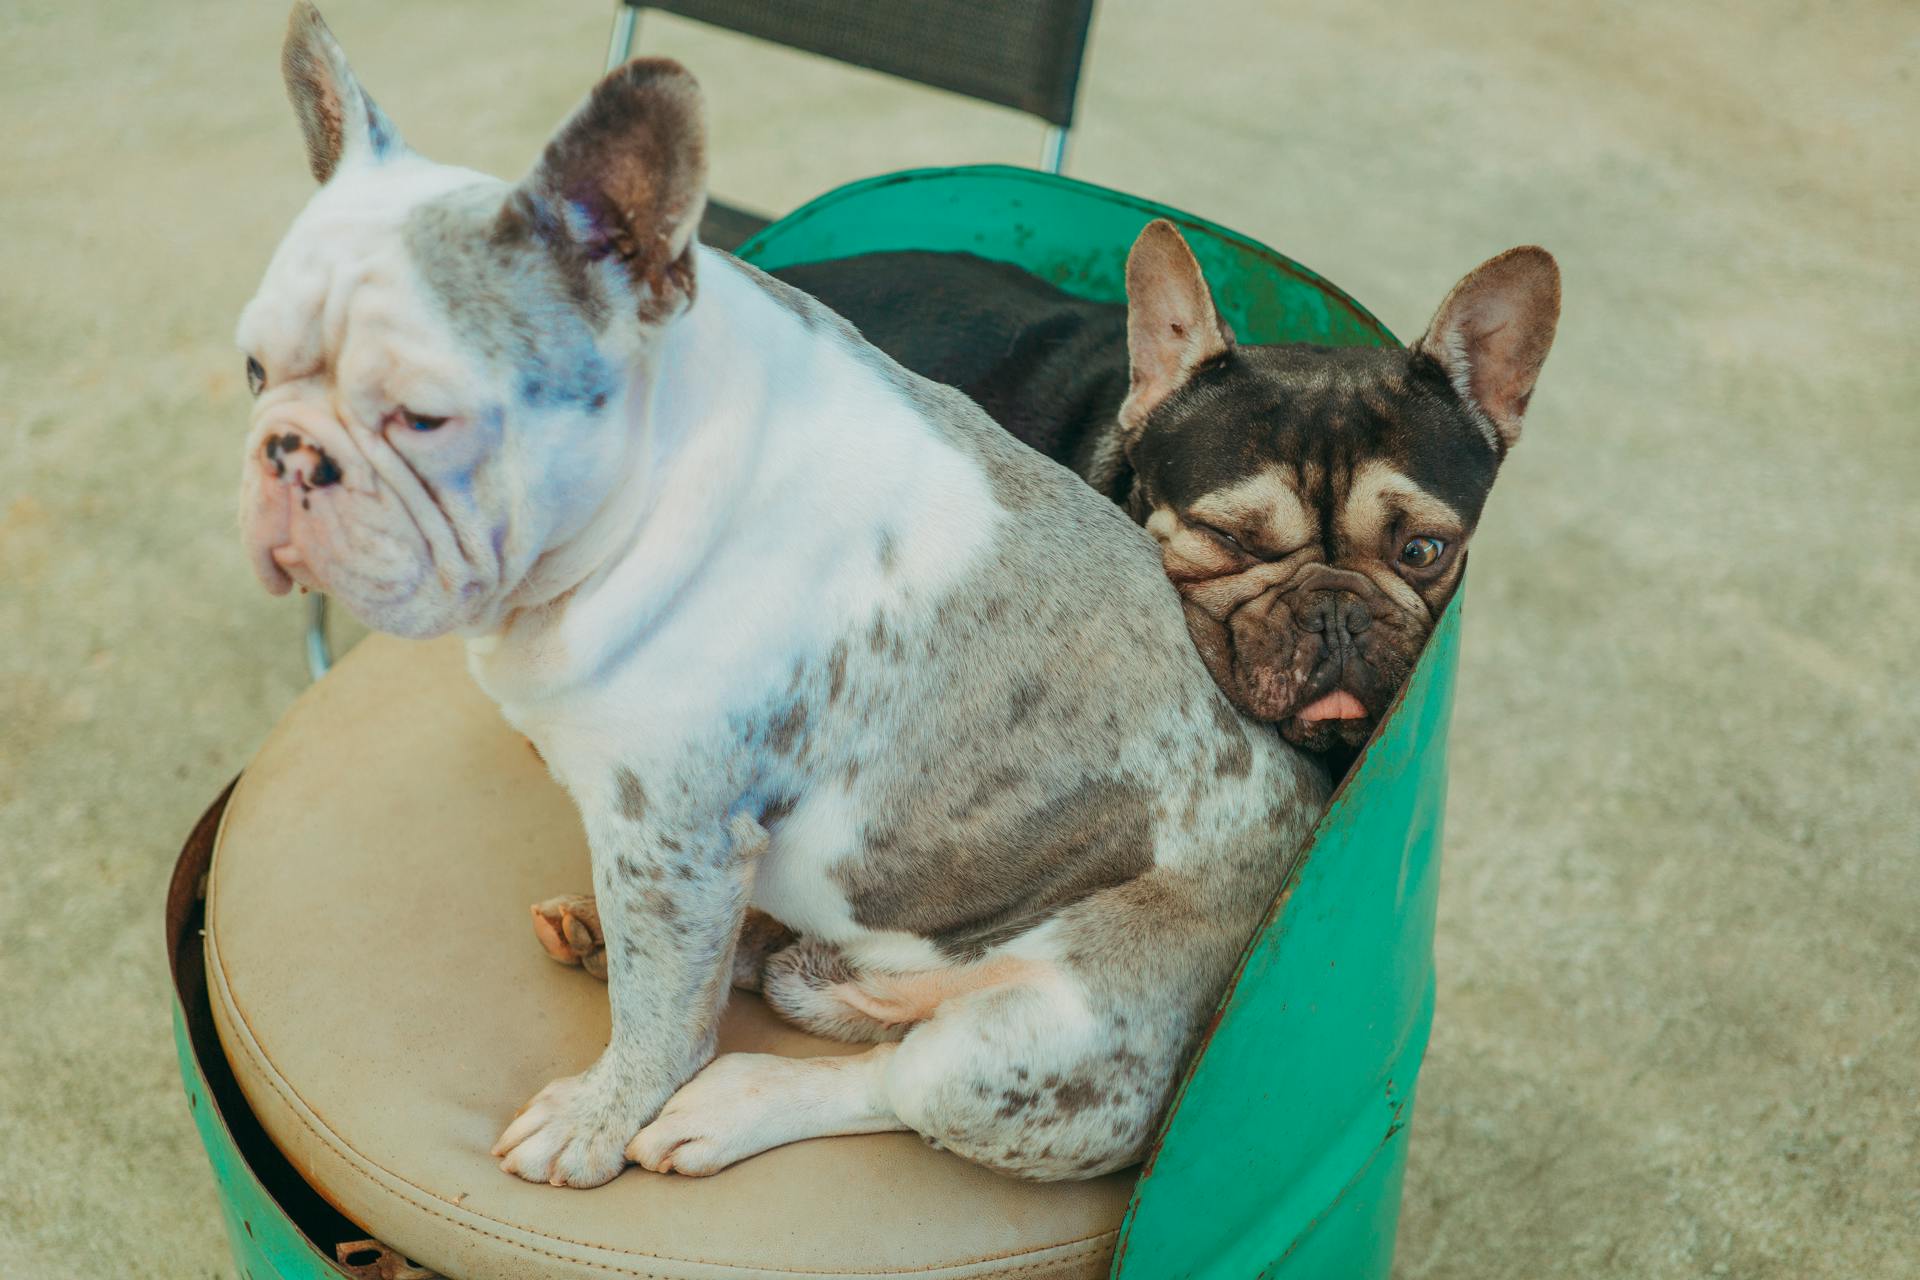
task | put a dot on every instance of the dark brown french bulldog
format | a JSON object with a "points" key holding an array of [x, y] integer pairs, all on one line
{"points": [[1312, 504]]}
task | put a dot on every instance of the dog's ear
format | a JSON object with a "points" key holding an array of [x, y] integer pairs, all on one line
{"points": [[1492, 334], [625, 179], [1172, 327], [341, 123]]}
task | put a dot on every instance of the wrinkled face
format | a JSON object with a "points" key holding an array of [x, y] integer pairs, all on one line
{"points": [[433, 402], [443, 365], [1312, 508]]}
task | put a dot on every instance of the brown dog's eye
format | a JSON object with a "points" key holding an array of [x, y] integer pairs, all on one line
{"points": [[256, 376], [1422, 552], [1222, 537]]}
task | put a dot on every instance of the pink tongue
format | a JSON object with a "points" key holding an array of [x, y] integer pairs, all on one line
{"points": [[1338, 705]]}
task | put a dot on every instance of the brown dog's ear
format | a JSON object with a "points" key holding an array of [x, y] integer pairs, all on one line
{"points": [[340, 121], [1172, 327], [1492, 334], [625, 178]]}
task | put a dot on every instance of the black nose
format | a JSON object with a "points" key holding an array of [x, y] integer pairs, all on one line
{"points": [[288, 450], [1335, 614]]}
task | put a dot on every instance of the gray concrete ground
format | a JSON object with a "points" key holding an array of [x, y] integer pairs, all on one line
{"points": [[1677, 1029]]}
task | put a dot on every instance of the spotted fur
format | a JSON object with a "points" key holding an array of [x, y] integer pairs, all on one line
{"points": [[801, 633]]}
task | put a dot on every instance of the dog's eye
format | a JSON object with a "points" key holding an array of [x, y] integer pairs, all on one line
{"points": [[420, 421], [1421, 553], [1224, 538], [256, 376]]}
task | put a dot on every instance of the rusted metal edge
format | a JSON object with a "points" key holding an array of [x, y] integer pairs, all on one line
{"points": [[185, 922], [371, 1260]]}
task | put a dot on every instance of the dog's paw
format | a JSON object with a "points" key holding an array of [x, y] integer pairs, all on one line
{"points": [[570, 1135], [730, 1111], [568, 928]]}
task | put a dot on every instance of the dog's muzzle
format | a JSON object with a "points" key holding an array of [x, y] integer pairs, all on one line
{"points": [[1338, 685], [1337, 617]]}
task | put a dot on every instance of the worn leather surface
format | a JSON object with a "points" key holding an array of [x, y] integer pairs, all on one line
{"points": [[385, 1009]]}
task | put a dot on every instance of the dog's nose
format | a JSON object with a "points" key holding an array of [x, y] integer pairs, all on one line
{"points": [[1336, 614], [289, 457]]}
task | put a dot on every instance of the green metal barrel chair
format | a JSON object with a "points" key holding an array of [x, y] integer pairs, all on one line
{"points": [[346, 1067]]}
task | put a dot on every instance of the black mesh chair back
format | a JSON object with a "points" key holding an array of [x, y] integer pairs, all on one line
{"points": [[1023, 54]]}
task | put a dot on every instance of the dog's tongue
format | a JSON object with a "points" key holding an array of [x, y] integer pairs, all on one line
{"points": [[1338, 705]]}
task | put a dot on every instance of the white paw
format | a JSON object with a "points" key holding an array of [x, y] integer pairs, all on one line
{"points": [[570, 1135], [720, 1117]]}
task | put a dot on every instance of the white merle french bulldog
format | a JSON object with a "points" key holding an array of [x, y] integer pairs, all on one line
{"points": [[798, 630]]}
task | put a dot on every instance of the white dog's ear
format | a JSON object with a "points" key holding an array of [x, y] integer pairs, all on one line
{"points": [[341, 123], [1492, 334], [1172, 326], [625, 179]]}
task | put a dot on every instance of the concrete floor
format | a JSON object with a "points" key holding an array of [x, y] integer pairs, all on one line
{"points": [[1678, 1028]]}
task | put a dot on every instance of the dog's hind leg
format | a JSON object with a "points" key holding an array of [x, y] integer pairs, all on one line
{"points": [[761, 938], [1020, 1076], [744, 1103], [812, 985], [568, 929], [1035, 1080]]}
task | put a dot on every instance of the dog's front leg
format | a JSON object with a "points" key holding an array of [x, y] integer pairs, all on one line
{"points": [[672, 889]]}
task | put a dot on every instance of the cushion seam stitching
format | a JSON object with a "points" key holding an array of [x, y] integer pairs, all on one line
{"points": [[340, 1149]]}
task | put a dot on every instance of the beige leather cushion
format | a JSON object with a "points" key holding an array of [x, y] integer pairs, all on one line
{"points": [[386, 1009]]}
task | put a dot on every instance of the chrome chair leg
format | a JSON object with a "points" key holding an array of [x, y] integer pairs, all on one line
{"points": [[319, 649], [626, 19], [1053, 152]]}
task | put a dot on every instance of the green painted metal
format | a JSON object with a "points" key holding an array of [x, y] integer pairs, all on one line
{"points": [[264, 1230], [264, 1241], [1072, 233], [1284, 1152]]}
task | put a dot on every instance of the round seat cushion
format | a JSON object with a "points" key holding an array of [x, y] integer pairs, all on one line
{"points": [[385, 1008]]}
